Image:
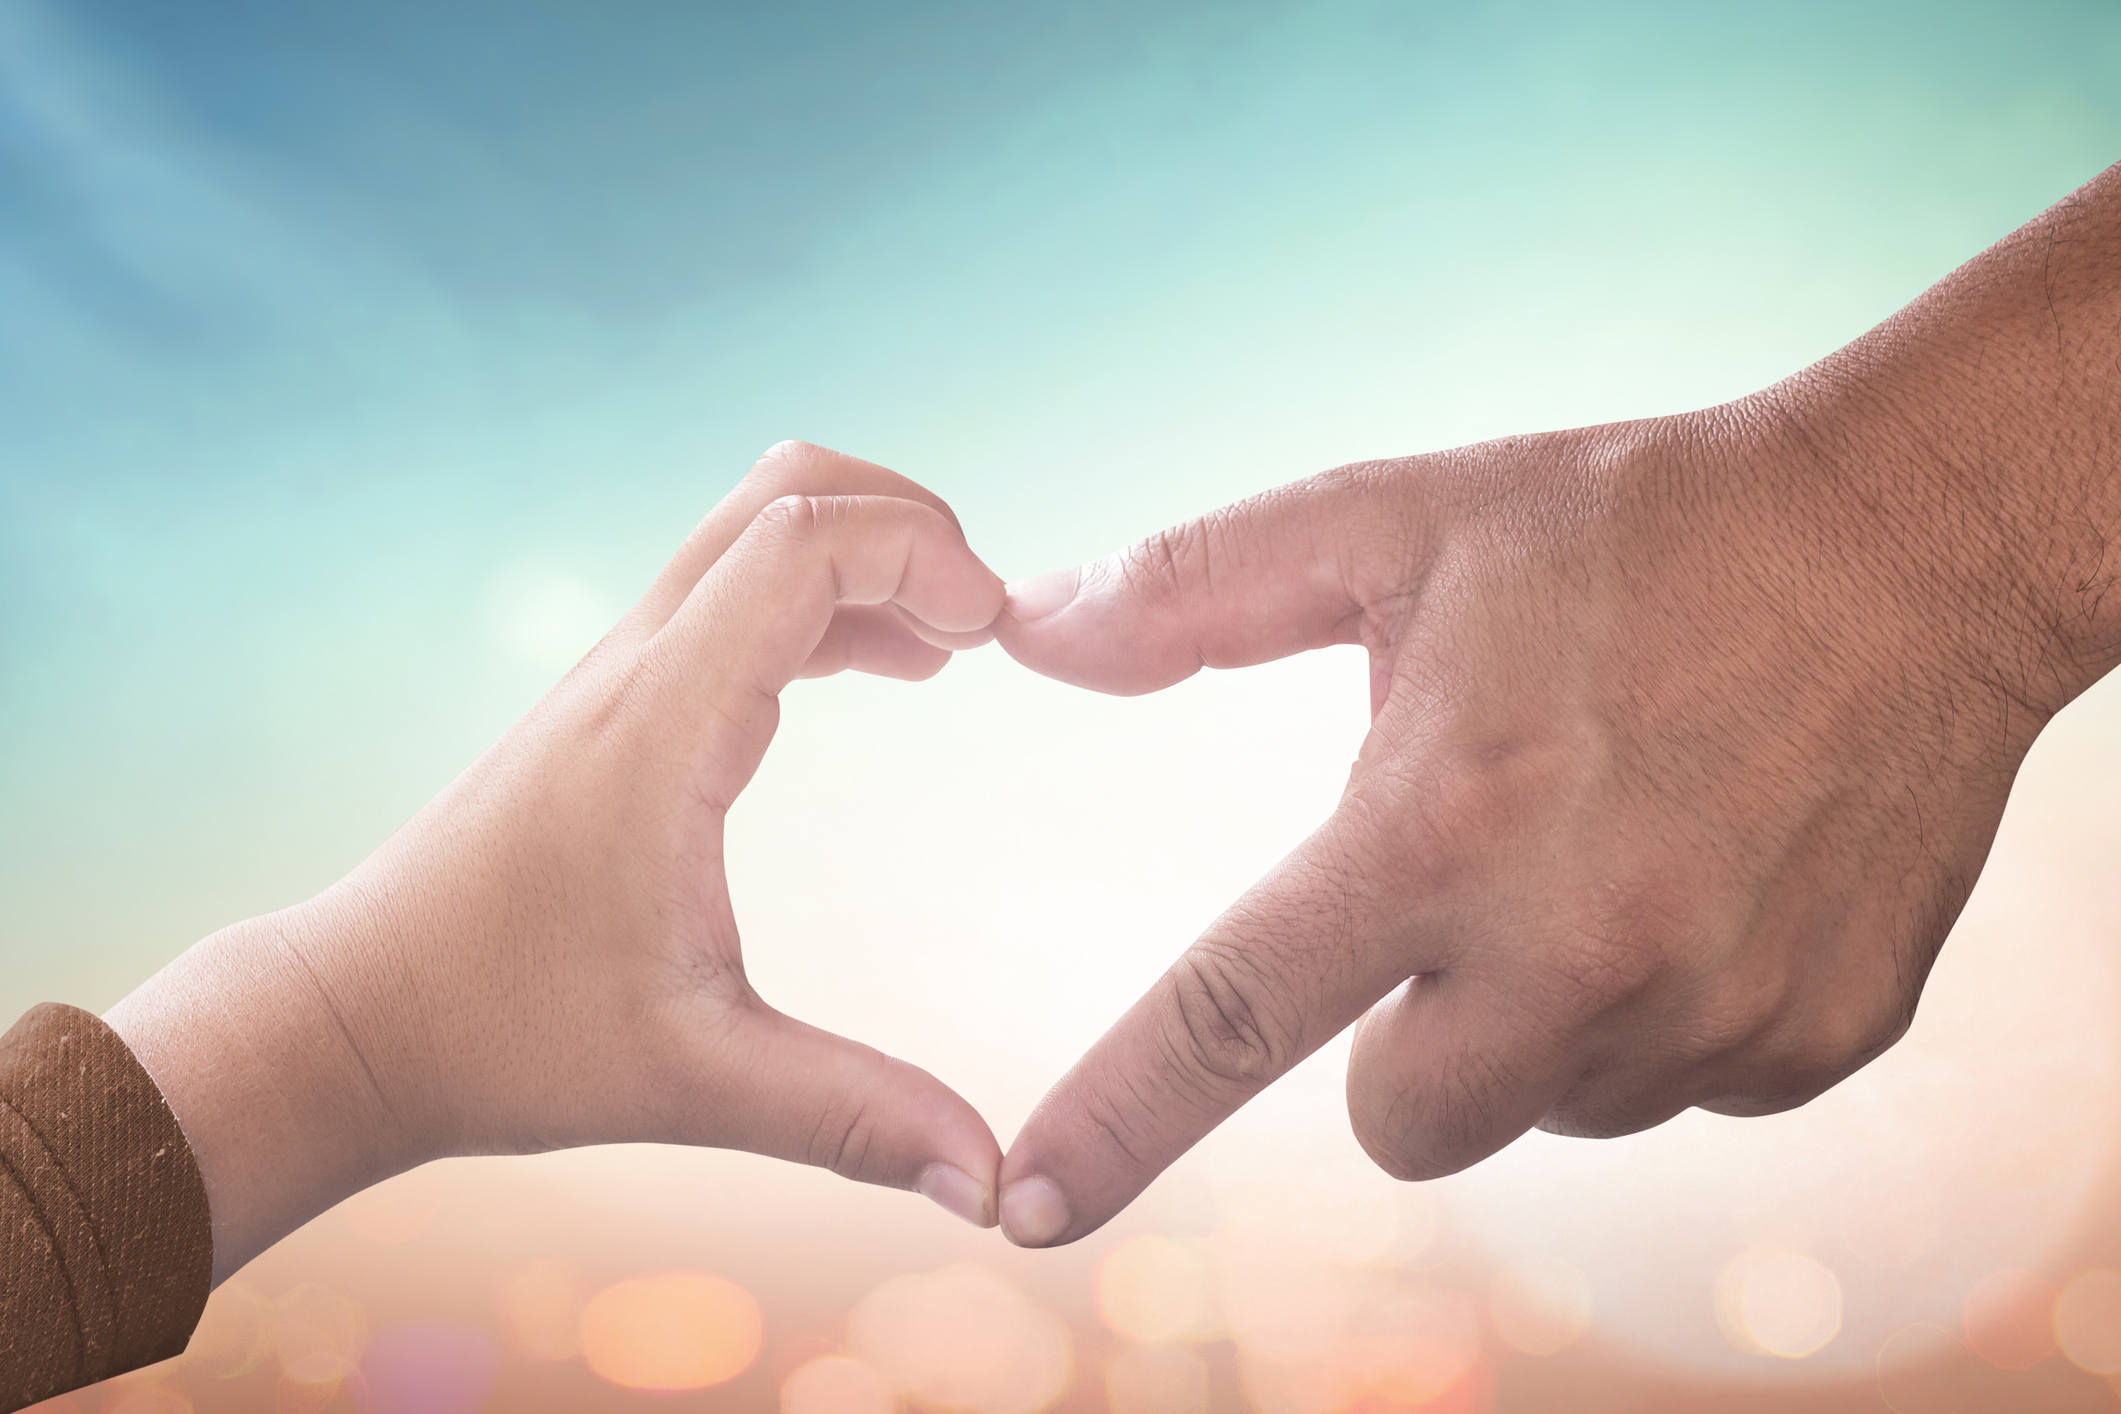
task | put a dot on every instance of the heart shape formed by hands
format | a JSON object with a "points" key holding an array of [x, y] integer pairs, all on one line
{"points": [[1689, 738], [1531, 923]]}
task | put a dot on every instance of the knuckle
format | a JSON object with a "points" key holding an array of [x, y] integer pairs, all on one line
{"points": [[1168, 564], [789, 517], [1586, 1119], [1770, 1090], [1620, 948], [1359, 483], [1785, 1077], [1124, 1123], [1730, 1014], [843, 1139], [1789, 1048], [1231, 1031], [784, 459], [1608, 1106], [1442, 845]]}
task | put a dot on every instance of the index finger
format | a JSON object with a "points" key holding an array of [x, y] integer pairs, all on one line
{"points": [[1289, 966], [787, 468]]}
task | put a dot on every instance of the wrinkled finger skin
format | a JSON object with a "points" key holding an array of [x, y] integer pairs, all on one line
{"points": [[1690, 737], [546, 955]]}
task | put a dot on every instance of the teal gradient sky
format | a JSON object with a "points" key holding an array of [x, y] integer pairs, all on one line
{"points": [[318, 323], [359, 363], [315, 318]]}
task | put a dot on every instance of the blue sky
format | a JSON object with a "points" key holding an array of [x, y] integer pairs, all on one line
{"points": [[325, 329]]}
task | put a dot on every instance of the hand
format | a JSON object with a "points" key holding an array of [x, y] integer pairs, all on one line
{"points": [[1689, 738], [545, 956]]}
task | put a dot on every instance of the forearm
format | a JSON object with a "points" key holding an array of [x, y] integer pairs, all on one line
{"points": [[264, 1076]]}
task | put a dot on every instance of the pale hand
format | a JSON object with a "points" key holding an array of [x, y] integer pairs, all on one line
{"points": [[545, 956]]}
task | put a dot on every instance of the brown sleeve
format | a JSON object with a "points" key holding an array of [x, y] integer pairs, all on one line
{"points": [[106, 1252]]}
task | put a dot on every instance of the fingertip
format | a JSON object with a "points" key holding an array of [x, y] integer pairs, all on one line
{"points": [[954, 640], [1034, 1213], [1415, 1104], [958, 1193], [1041, 596]]}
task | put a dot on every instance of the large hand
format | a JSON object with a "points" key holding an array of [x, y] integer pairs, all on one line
{"points": [[545, 956], [1689, 739]]}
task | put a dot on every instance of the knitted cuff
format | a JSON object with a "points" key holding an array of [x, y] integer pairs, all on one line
{"points": [[106, 1249]]}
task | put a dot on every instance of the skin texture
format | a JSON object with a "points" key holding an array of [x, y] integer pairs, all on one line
{"points": [[1689, 737], [545, 956]]}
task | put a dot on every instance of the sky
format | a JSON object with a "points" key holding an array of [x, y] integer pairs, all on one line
{"points": [[358, 365]]}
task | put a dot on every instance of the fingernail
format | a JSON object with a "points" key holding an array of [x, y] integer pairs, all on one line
{"points": [[955, 1191], [1033, 1212], [1040, 595]]}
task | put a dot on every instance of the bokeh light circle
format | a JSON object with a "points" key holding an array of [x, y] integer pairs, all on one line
{"points": [[1792, 1306], [1153, 1289], [2010, 1318], [837, 1384], [963, 1338], [671, 1331], [2088, 1321]]}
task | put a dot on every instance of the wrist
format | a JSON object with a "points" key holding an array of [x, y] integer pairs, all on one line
{"points": [[267, 1076], [1993, 405], [1947, 478]]}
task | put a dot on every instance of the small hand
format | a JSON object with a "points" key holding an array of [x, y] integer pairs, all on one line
{"points": [[546, 956]]}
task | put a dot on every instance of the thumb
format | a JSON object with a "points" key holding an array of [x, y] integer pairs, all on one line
{"points": [[807, 1095], [1300, 567]]}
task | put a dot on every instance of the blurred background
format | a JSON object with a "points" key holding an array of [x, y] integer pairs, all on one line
{"points": [[358, 364]]}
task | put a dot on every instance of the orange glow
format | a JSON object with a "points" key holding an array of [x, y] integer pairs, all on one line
{"points": [[1792, 1306], [153, 1400], [2088, 1322], [396, 1212], [1157, 1379], [1914, 1368], [963, 1338], [539, 1307], [310, 1384], [1772, 1302], [1413, 1348], [1152, 1289], [2010, 1318], [672, 1331], [1282, 1310], [1540, 1310], [316, 1321], [1890, 1227], [231, 1338], [837, 1385]]}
